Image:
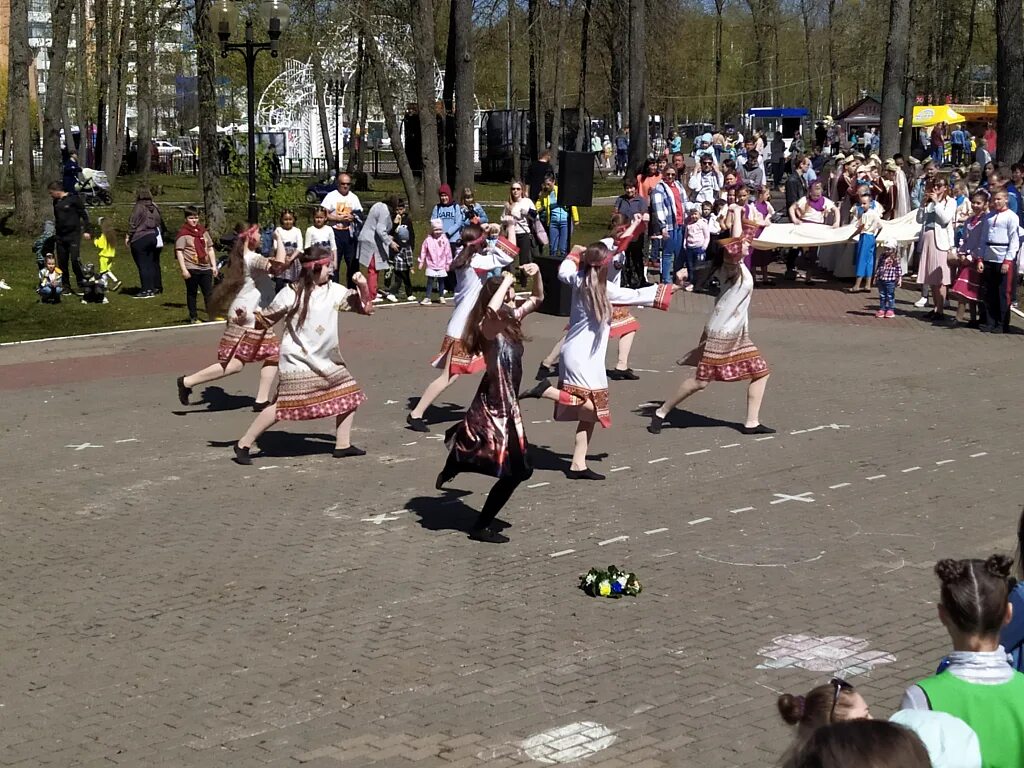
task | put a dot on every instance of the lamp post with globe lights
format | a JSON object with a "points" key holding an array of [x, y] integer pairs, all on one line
{"points": [[224, 16]]}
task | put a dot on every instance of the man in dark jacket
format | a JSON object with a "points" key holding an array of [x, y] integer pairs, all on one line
{"points": [[539, 170], [71, 222], [796, 188]]}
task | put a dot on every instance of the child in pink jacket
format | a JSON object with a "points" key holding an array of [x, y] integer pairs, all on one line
{"points": [[436, 256], [698, 235]]}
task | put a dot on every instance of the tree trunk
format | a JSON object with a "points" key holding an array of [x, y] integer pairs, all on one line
{"points": [[805, 12], [465, 98], [355, 155], [385, 90], [102, 78], [719, 9], [894, 75], [321, 107], [558, 89], [536, 139], [833, 66], [114, 134], [1010, 80], [760, 47], [961, 69], [18, 119], [910, 89], [638, 133], [144, 63], [581, 104], [81, 78], [53, 111], [206, 92], [423, 33]]}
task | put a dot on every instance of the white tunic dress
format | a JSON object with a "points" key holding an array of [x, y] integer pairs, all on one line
{"points": [[314, 380], [582, 373], [245, 343]]}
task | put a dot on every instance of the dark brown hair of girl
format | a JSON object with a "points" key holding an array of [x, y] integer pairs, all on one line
{"points": [[975, 593], [861, 743], [471, 234], [234, 273], [305, 285], [811, 711], [618, 220], [475, 341]]}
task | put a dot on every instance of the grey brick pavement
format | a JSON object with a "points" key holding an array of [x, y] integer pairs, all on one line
{"points": [[162, 606]]}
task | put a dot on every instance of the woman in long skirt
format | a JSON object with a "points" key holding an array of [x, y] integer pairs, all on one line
{"points": [[315, 383], [476, 259], [490, 439], [582, 391], [936, 216], [246, 287], [726, 352]]}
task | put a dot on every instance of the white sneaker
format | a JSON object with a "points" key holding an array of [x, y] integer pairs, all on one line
{"points": [[922, 302], [4, 285], [392, 298], [425, 303], [410, 297], [443, 299], [378, 299], [105, 300]]}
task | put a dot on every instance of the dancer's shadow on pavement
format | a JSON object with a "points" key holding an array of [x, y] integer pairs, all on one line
{"points": [[681, 419], [216, 399], [543, 458], [444, 512], [279, 444], [438, 413]]}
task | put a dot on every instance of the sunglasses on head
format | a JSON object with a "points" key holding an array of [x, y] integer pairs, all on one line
{"points": [[839, 685]]}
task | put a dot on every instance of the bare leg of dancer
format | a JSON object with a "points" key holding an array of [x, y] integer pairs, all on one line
{"points": [[343, 444], [625, 344], [212, 373], [690, 386], [267, 374], [755, 394], [578, 470], [263, 421], [430, 394]]}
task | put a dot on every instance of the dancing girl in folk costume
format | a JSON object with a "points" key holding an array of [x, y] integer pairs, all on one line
{"points": [[246, 287], [623, 324], [582, 392], [315, 383], [490, 439], [726, 352], [471, 266]]}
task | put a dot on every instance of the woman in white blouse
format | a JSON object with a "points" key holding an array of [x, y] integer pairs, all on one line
{"points": [[936, 216], [518, 218]]}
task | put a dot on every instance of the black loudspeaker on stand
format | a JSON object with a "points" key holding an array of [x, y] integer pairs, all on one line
{"points": [[575, 188]]}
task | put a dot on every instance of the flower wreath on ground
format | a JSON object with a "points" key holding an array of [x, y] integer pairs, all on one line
{"points": [[610, 582]]}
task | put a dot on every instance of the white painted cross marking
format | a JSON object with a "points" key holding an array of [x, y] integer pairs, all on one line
{"points": [[612, 541], [839, 485], [619, 469], [383, 517], [741, 509], [699, 520], [806, 497], [944, 461], [538, 485], [909, 469], [656, 530], [694, 453], [655, 461], [973, 455], [83, 446], [563, 552], [874, 477]]}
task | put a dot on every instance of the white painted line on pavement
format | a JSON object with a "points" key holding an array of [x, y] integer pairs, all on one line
{"points": [[390, 402], [770, 437], [944, 461], [612, 541], [270, 466], [619, 469], [839, 485], [406, 445], [694, 453], [542, 421], [652, 461], [434, 437], [799, 431], [667, 554], [128, 440], [646, 370], [699, 520], [731, 445], [82, 446], [538, 485], [563, 552], [909, 469], [655, 530], [979, 455], [741, 509], [874, 477]]}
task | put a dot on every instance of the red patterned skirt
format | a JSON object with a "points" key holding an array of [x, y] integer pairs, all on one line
{"points": [[303, 395], [571, 397], [968, 283], [623, 322], [728, 358], [461, 361], [247, 345]]}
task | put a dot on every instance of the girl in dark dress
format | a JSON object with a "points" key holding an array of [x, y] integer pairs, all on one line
{"points": [[490, 440]]}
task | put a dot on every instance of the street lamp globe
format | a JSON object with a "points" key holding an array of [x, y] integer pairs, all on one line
{"points": [[275, 13], [224, 18]]}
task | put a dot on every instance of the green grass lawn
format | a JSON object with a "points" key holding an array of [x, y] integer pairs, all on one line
{"points": [[23, 317]]}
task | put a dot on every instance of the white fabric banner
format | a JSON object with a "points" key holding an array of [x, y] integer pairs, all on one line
{"points": [[903, 230]]}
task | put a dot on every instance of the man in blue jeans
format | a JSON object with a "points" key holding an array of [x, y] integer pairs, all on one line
{"points": [[668, 205]]}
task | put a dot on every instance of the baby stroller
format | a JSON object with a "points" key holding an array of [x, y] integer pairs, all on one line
{"points": [[94, 188]]}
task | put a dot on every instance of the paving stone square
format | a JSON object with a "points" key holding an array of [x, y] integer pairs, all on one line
{"points": [[160, 605]]}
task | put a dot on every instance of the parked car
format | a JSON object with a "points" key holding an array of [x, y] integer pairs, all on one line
{"points": [[318, 190], [166, 148]]}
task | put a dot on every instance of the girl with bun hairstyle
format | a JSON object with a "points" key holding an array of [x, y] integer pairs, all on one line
{"points": [[978, 686]]}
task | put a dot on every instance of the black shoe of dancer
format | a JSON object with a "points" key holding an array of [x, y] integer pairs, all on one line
{"points": [[500, 524], [259, 407], [583, 474], [443, 478], [488, 535], [543, 372], [416, 425], [242, 455], [622, 374], [655, 426], [183, 391], [760, 429], [344, 453], [536, 391]]}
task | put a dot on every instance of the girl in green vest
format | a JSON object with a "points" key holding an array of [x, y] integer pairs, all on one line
{"points": [[979, 686]]}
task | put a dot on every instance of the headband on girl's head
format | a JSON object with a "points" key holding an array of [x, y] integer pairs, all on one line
{"points": [[479, 241], [311, 265]]}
